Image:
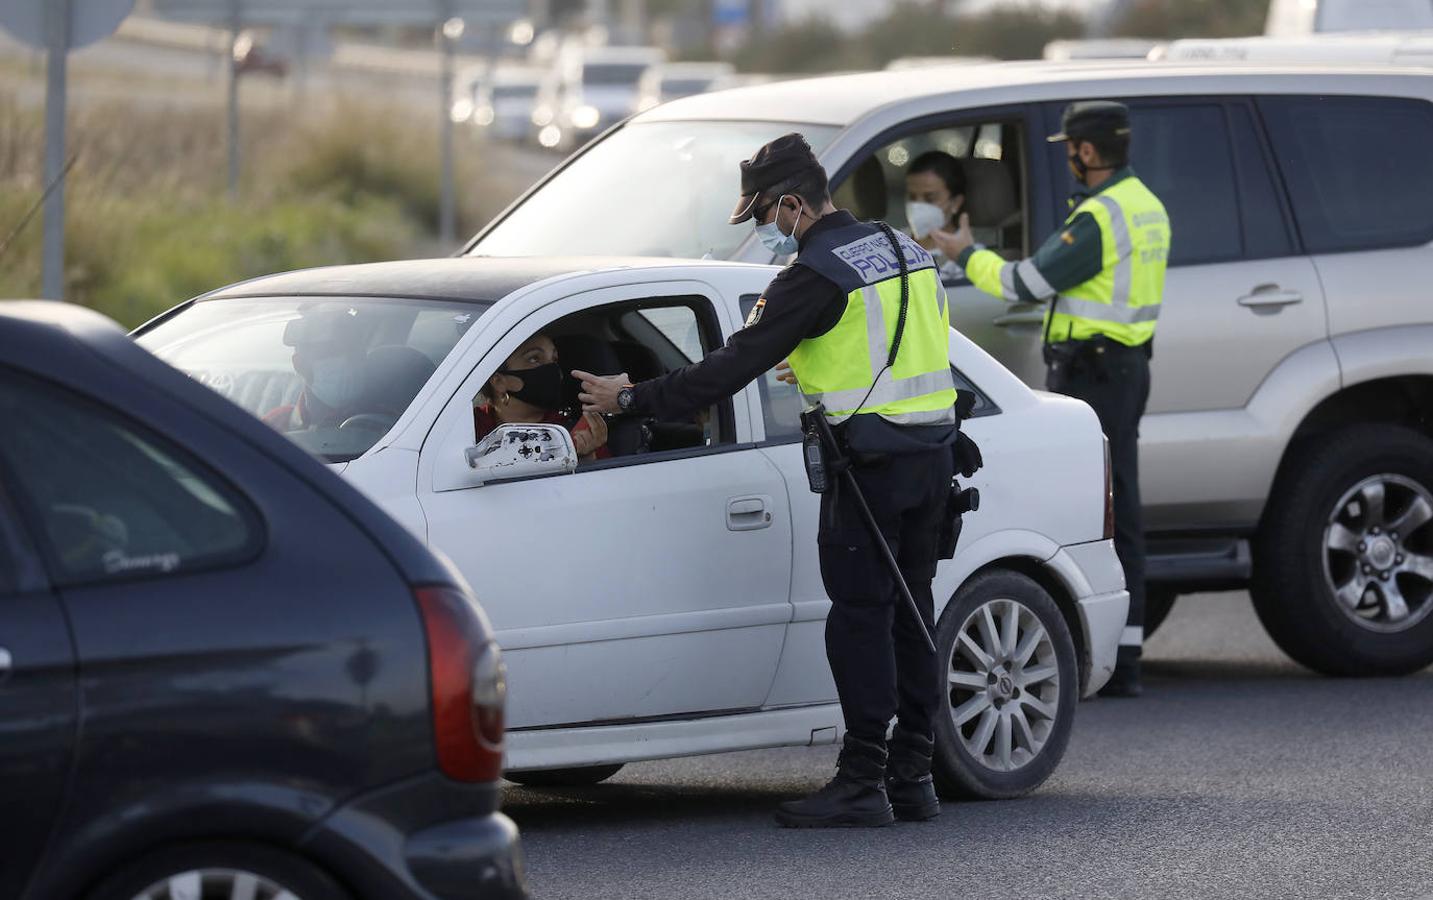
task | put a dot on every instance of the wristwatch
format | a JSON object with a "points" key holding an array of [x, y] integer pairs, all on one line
{"points": [[625, 399]]}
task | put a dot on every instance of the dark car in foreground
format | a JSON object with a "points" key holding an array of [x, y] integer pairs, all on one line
{"points": [[223, 672]]}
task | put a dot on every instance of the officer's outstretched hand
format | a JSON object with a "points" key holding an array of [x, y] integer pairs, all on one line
{"points": [[784, 373], [953, 243], [599, 392]]}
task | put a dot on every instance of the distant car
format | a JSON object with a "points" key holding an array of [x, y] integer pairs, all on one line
{"points": [[673, 80], [503, 105], [667, 601], [1288, 447], [223, 672], [592, 89]]}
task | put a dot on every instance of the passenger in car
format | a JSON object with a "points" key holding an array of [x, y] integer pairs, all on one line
{"points": [[935, 196], [330, 356], [532, 388]]}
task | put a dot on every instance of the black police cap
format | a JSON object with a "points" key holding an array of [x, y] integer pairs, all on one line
{"points": [[1092, 118], [776, 166]]}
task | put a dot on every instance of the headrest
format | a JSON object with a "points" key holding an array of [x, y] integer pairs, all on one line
{"points": [[989, 193], [864, 193], [394, 375]]}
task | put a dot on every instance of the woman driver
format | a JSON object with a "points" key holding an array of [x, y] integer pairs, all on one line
{"points": [[531, 388]]}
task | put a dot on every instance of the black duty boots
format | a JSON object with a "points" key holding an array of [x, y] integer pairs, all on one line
{"points": [[908, 782], [856, 797]]}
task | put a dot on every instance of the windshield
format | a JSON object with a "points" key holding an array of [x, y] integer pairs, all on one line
{"points": [[331, 374], [652, 189], [612, 73]]}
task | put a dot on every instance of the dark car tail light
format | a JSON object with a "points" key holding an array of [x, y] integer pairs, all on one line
{"points": [[1109, 494], [469, 687]]}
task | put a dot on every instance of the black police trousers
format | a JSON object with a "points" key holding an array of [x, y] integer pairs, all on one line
{"points": [[1114, 380], [881, 664]]}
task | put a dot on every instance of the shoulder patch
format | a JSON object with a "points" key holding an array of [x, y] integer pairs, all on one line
{"points": [[755, 315], [1067, 237]]}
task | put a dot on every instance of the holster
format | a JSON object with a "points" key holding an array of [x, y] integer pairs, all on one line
{"points": [[967, 459]]}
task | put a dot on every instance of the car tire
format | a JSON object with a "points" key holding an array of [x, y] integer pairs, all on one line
{"points": [[1332, 522], [583, 776], [1003, 724], [1157, 604], [214, 869]]}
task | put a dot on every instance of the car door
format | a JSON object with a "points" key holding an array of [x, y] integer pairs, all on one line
{"points": [[639, 587], [37, 703]]}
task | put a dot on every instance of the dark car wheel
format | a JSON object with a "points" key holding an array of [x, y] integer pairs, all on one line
{"points": [[1343, 563], [576, 777], [1157, 604], [1011, 684], [220, 870]]}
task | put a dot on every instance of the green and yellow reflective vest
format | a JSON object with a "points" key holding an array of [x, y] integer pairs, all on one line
{"points": [[1122, 300], [841, 367]]}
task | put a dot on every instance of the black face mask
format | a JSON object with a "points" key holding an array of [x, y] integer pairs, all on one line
{"points": [[545, 387]]}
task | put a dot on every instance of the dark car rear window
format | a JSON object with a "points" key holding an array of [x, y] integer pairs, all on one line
{"points": [[109, 500]]}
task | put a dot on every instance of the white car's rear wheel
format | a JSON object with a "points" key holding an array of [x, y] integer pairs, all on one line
{"points": [[1011, 682]]}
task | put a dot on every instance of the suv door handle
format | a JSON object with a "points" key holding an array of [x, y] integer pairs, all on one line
{"points": [[1270, 295], [748, 513]]}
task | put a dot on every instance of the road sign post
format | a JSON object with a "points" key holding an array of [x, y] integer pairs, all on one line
{"points": [[57, 27]]}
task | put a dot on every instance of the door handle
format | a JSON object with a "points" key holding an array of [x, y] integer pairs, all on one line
{"points": [[1270, 296], [748, 513], [1022, 314]]}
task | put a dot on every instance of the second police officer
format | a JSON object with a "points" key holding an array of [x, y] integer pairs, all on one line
{"points": [[832, 317], [1103, 275]]}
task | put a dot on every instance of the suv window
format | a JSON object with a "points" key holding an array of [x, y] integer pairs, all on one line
{"points": [[1182, 152], [1338, 204], [109, 500], [981, 161]]}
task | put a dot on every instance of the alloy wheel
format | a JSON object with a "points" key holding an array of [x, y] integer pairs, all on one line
{"points": [[1003, 685], [1378, 553], [215, 884]]}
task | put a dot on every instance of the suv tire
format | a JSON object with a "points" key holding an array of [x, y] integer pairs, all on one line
{"points": [[583, 776], [218, 866], [1004, 722], [1335, 584]]}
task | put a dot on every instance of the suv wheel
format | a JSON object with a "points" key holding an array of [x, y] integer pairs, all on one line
{"points": [[1011, 687], [214, 870], [1343, 564], [576, 777]]}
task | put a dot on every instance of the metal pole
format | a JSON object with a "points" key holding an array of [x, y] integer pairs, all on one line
{"points": [[447, 224], [235, 24], [57, 25]]}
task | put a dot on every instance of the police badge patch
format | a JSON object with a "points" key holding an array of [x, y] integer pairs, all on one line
{"points": [[755, 315]]}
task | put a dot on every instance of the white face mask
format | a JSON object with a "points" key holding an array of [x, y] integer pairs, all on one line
{"points": [[772, 237], [924, 218], [337, 382]]}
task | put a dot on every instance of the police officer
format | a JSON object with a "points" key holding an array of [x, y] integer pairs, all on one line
{"points": [[832, 317], [1103, 276]]}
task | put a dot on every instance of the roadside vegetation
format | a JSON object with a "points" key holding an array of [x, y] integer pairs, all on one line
{"points": [[149, 222]]}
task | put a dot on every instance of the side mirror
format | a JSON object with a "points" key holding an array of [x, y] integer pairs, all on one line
{"points": [[523, 451]]}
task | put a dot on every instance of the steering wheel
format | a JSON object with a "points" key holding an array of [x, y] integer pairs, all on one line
{"points": [[368, 422]]}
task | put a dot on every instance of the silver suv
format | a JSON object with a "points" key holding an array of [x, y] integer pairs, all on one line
{"points": [[1289, 441]]}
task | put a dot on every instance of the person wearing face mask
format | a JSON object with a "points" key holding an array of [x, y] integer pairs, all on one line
{"points": [[532, 388], [1103, 277], [329, 355], [890, 401], [935, 195]]}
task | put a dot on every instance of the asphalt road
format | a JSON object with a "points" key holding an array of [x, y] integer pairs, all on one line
{"points": [[1237, 775]]}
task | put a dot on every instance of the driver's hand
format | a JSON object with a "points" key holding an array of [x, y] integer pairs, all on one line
{"points": [[592, 439], [784, 373], [953, 243]]}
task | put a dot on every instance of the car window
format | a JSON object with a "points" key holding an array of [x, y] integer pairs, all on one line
{"points": [[108, 500], [332, 375], [1182, 152], [649, 189], [983, 162], [1266, 231], [782, 403], [1339, 203]]}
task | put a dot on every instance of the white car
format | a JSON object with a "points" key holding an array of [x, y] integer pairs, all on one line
{"points": [[666, 601]]}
